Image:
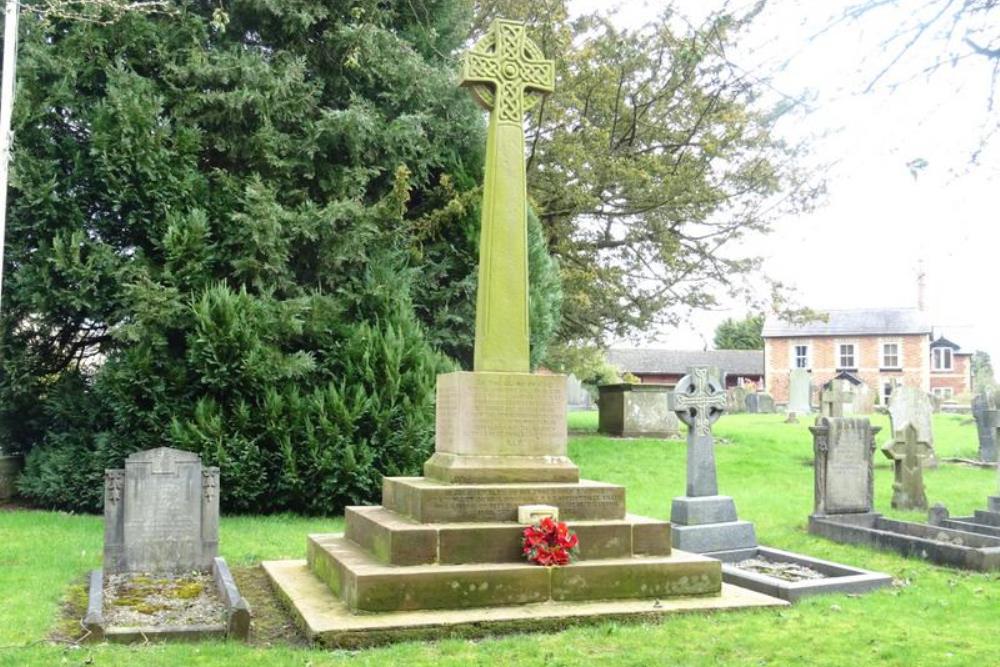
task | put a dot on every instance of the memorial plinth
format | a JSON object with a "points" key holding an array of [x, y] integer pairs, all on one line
{"points": [[444, 550]]}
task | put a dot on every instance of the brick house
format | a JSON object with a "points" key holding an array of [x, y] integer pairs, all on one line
{"points": [[874, 346], [657, 366]]}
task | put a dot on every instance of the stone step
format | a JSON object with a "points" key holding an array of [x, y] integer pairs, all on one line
{"points": [[365, 585], [394, 539], [430, 501]]}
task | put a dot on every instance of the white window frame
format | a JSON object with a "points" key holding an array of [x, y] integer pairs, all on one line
{"points": [[795, 355], [937, 362], [899, 354], [840, 355], [944, 393]]}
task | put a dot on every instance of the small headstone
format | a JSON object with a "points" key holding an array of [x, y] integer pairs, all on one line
{"points": [[161, 513], [837, 399], [844, 465], [577, 396], [909, 406], [908, 486], [531, 514], [800, 391], [760, 403], [736, 398], [984, 411], [792, 418], [937, 515]]}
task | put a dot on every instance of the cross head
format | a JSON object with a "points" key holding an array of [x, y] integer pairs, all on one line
{"points": [[502, 67], [699, 400]]}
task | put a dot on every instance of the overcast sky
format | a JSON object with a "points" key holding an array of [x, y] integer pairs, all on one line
{"points": [[862, 246]]}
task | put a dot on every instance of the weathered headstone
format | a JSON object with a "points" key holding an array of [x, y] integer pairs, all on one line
{"points": [[736, 400], [984, 411], [799, 391], [161, 513], [837, 399], [760, 403], [908, 485], [909, 405], [792, 418], [844, 465], [702, 519], [636, 411], [864, 400]]}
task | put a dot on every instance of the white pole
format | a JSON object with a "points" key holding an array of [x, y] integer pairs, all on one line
{"points": [[6, 107]]}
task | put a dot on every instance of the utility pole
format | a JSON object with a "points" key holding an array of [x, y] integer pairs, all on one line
{"points": [[6, 107]]}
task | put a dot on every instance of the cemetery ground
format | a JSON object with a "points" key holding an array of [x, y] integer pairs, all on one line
{"points": [[931, 615]]}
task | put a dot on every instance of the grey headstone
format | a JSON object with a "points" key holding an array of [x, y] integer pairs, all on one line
{"points": [[985, 412], [837, 399], [736, 400], [909, 405], [908, 484], [577, 396], [760, 403], [799, 391], [844, 465], [161, 513], [937, 515]]}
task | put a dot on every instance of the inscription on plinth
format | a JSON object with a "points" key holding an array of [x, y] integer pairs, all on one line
{"points": [[501, 427]]}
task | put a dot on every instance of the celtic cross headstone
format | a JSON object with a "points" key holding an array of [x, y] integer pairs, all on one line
{"points": [[699, 401], [505, 72]]}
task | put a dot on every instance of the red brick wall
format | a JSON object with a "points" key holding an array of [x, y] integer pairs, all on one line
{"points": [[959, 378], [824, 361], [672, 379]]}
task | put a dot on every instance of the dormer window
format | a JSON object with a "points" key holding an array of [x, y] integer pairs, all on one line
{"points": [[941, 359]]}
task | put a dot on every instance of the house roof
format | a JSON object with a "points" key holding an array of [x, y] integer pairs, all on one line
{"points": [[856, 322], [733, 362], [944, 342]]}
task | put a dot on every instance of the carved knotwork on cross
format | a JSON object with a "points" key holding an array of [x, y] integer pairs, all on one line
{"points": [[502, 67], [209, 483], [699, 400]]}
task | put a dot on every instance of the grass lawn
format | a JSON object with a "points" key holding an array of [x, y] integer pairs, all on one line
{"points": [[934, 616]]}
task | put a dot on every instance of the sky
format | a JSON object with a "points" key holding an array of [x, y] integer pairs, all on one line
{"points": [[864, 243]]}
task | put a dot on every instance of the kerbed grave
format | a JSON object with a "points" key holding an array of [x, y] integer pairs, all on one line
{"points": [[844, 504], [707, 522], [162, 577]]}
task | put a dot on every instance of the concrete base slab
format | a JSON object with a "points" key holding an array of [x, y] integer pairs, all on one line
{"points": [[937, 544], [714, 537], [325, 619], [839, 578]]}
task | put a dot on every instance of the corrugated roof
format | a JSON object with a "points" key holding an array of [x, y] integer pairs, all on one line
{"points": [[855, 322], [733, 362]]}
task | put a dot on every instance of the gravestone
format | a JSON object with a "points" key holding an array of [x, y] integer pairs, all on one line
{"points": [[908, 484], [760, 403], [161, 513], [800, 391], [161, 533], [844, 472], [909, 405], [636, 411], [836, 399], [792, 418], [736, 398], [703, 520], [984, 411], [864, 400]]}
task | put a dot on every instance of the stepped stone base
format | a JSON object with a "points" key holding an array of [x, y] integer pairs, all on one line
{"points": [[365, 584], [325, 619], [709, 523]]}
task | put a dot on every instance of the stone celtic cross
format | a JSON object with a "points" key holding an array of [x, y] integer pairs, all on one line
{"points": [[834, 399], [502, 70], [699, 400]]}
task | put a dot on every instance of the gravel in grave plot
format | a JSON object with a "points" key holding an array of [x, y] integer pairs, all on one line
{"points": [[139, 599], [779, 569]]}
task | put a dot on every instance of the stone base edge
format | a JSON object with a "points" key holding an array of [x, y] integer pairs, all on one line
{"points": [[474, 469], [326, 620], [714, 537], [697, 511]]}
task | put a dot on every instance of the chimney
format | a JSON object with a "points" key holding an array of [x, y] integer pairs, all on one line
{"points": [[921, 286]]}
